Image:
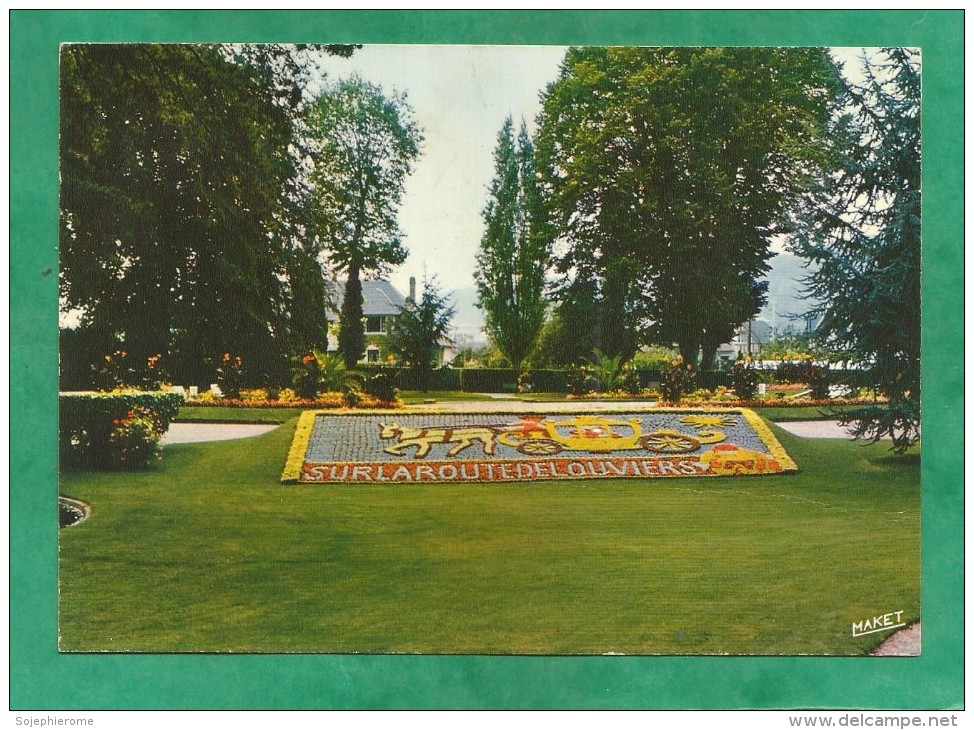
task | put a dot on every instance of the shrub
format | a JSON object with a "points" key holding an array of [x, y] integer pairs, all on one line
{"points": [[606, 371], [630, 380], [115, 372], [307, 377], [654, 358], [134, 441], [679, 379], [548, 381], [488, 380], [114, 430], [817, 377], [381, 387], [228, 376], [578, 380], [744, 379], [153, 375], [793, 371]]}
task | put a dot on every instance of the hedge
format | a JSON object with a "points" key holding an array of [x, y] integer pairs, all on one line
{"points": [[504, 380], [408, 379], [113, 430]]}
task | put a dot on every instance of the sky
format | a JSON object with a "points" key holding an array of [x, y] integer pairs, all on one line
{"points": [[460, 96]]}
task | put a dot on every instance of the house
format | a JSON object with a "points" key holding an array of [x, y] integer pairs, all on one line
{"points": [[750, 339], [381, 304]]}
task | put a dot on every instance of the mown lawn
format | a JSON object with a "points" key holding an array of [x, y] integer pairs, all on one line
{"points": [[208, 552]]}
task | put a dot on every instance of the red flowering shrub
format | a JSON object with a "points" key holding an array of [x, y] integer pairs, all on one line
{"points": [[114, 430], [134, 440], [229, 374]]}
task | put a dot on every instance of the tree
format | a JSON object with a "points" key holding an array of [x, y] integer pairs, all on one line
{"points": [[667, 171], [513, 256], [861, 229], [179, 192], [366, 143], [418, 330]]}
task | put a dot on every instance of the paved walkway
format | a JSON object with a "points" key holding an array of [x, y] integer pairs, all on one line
{"points": [[902, 643], [505, 405], [815, 429], [186, 433], [192, 433]]}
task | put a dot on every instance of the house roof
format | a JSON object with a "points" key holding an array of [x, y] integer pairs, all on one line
{"points": [[379, 298]]}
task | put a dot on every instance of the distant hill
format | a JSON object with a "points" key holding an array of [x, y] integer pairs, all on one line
{"points": [[786, 293], [468, 322]]}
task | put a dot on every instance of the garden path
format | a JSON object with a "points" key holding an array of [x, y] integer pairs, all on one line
{"points": [[902, 643], [815, 429], [505, 405], [191, 433]]}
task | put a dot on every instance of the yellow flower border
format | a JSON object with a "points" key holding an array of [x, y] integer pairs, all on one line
{"points": [[775, 448], [306, 422], [299, 446]]}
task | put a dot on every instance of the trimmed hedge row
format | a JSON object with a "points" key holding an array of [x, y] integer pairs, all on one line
{"points": [[407, 379], [504, 380], [113, 430]]}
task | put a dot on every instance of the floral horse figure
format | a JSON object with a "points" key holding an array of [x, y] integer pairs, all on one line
{"points": [[424, 438]]}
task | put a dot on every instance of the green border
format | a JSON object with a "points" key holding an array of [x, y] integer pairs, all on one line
{"points": [[43, 679]]}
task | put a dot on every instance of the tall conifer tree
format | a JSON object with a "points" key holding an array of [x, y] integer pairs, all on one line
{"points": [[513, 256]]}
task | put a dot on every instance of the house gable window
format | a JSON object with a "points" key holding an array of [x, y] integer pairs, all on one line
{"points": [[375, 324]]}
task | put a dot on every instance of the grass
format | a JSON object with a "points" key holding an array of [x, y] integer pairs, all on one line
{"points": [[206, 551]]}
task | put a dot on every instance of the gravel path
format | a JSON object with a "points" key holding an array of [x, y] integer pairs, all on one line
{"points": [[815, 429], [505, 405], [192, 433], [902, 643]]}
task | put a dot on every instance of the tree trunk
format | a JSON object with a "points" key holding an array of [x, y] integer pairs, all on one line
{"points": [[689, 349], [709, 354]]}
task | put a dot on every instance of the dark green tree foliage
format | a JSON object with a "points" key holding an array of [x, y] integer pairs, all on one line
{"points": [[861, 229], [667, 171], [573, 330], [365, 145], [177, 191], [513, 256], [351, 333], [418, 329]]}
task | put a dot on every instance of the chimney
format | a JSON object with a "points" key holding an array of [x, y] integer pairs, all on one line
{"points": [[412, 289]]}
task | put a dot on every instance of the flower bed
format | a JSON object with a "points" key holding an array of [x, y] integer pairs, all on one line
{"points": [[784, 402], [325, 400], [441, 447], [709, 400]]}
